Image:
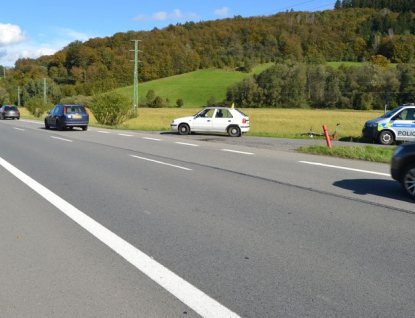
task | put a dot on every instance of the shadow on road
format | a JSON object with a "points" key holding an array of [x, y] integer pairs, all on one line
{"points": [[382, 188]]}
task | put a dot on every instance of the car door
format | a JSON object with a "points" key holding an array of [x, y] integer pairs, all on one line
{"points": [[404, 124], [221, 120], [203, 120], [49, 117]]}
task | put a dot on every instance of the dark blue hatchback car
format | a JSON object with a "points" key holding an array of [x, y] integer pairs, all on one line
{"points": [[67, 116]]}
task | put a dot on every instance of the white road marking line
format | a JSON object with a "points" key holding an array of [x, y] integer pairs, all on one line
{"points": [[19, 129], [186, 144], [125, 135], [103, 132], [177, 286], [162, 163], [241, 152], [61, 139], [148, 138], [345, 168]]}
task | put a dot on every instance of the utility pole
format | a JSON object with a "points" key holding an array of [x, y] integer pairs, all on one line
{"points": [[18, 96], [136, 61], [44, 92]]}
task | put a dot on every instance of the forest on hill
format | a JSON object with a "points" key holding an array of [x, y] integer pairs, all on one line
{"points": [[348, 33]]}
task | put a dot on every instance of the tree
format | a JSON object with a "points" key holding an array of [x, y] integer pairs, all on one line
{"points": [[179, 102]]}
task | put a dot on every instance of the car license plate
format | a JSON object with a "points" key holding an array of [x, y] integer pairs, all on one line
{"points": [[77, 116]]}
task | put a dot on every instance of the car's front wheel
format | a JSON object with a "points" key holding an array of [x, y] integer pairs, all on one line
{"points": [[386, 137], [408, 180], [234, 131], [184, 129], [47, 125]]}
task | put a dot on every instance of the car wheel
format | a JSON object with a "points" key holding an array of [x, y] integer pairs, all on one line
{"points": [[46, 125], [184, 129], [386, 137], [84, 128], [234, 131], [408, 180]]}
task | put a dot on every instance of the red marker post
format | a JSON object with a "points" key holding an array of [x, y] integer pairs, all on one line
{"points": [[326, 134]]}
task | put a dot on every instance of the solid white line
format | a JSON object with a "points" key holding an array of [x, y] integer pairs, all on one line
{"points": [[184, 291], [162, 163], [148, 138], [103, 132], [61, 138], [241, 152], [345, 168], [186, 144], [125, 135], [19, 129]]}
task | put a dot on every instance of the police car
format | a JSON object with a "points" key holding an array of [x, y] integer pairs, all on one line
{"points": [[398, 124]]}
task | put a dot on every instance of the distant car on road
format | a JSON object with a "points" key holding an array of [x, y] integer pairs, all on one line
{"points": [[63, 116], [398, 124], [403, 167], [213, 119], [9, 111]]}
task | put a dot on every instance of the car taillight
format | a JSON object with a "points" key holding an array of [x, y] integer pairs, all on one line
{"points": [[243, 120], [64, 110]]}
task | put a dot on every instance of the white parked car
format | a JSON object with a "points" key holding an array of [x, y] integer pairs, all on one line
{"points": [[213, 119]]}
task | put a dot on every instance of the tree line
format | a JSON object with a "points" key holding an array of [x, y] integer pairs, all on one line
{"points": [[394, 5], [299, 85]]}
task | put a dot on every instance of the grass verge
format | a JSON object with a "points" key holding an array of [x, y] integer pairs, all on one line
{"points": [[367, 153]]}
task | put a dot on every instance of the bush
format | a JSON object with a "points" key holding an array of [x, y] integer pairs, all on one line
{"points": [[112, 108], [76, 100], [36, 106], [179, 102]]}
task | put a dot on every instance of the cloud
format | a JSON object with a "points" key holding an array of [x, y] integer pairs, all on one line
{"points": [[222, 12], [10, 34], [34, 47], [163, 16]]}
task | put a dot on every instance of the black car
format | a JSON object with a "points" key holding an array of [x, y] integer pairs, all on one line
{"points": [[403, 167], [9, 111], [67, 116]]}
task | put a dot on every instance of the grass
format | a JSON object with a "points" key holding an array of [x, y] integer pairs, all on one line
{"points": [[367, 153], [194, 88], [282, 123]]}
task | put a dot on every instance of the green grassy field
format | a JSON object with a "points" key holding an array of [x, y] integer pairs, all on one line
{"points": [[194, 88]]}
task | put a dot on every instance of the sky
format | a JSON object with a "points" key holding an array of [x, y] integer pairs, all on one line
{"points": [[30, 29]]}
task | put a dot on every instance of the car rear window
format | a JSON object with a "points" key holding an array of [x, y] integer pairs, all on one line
{"points": [[11, 108], [75, 109], [241, 113]]}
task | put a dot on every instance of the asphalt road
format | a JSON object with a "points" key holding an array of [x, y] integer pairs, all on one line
{"points": [[109, 223]]}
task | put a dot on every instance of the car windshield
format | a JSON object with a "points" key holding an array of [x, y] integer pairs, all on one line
{"points": [[392, 112]]}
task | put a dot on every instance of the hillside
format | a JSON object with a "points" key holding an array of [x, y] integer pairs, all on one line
{"points": [[103, 64], [194, 88]]}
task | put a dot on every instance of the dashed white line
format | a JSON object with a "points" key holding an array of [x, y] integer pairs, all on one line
{"points": [[186, 144], [19, 129], [148, 138], [103, 132], [177, 286], [125, 135], [345, 168], [241, 152], [162, 163], [61, 138]]}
